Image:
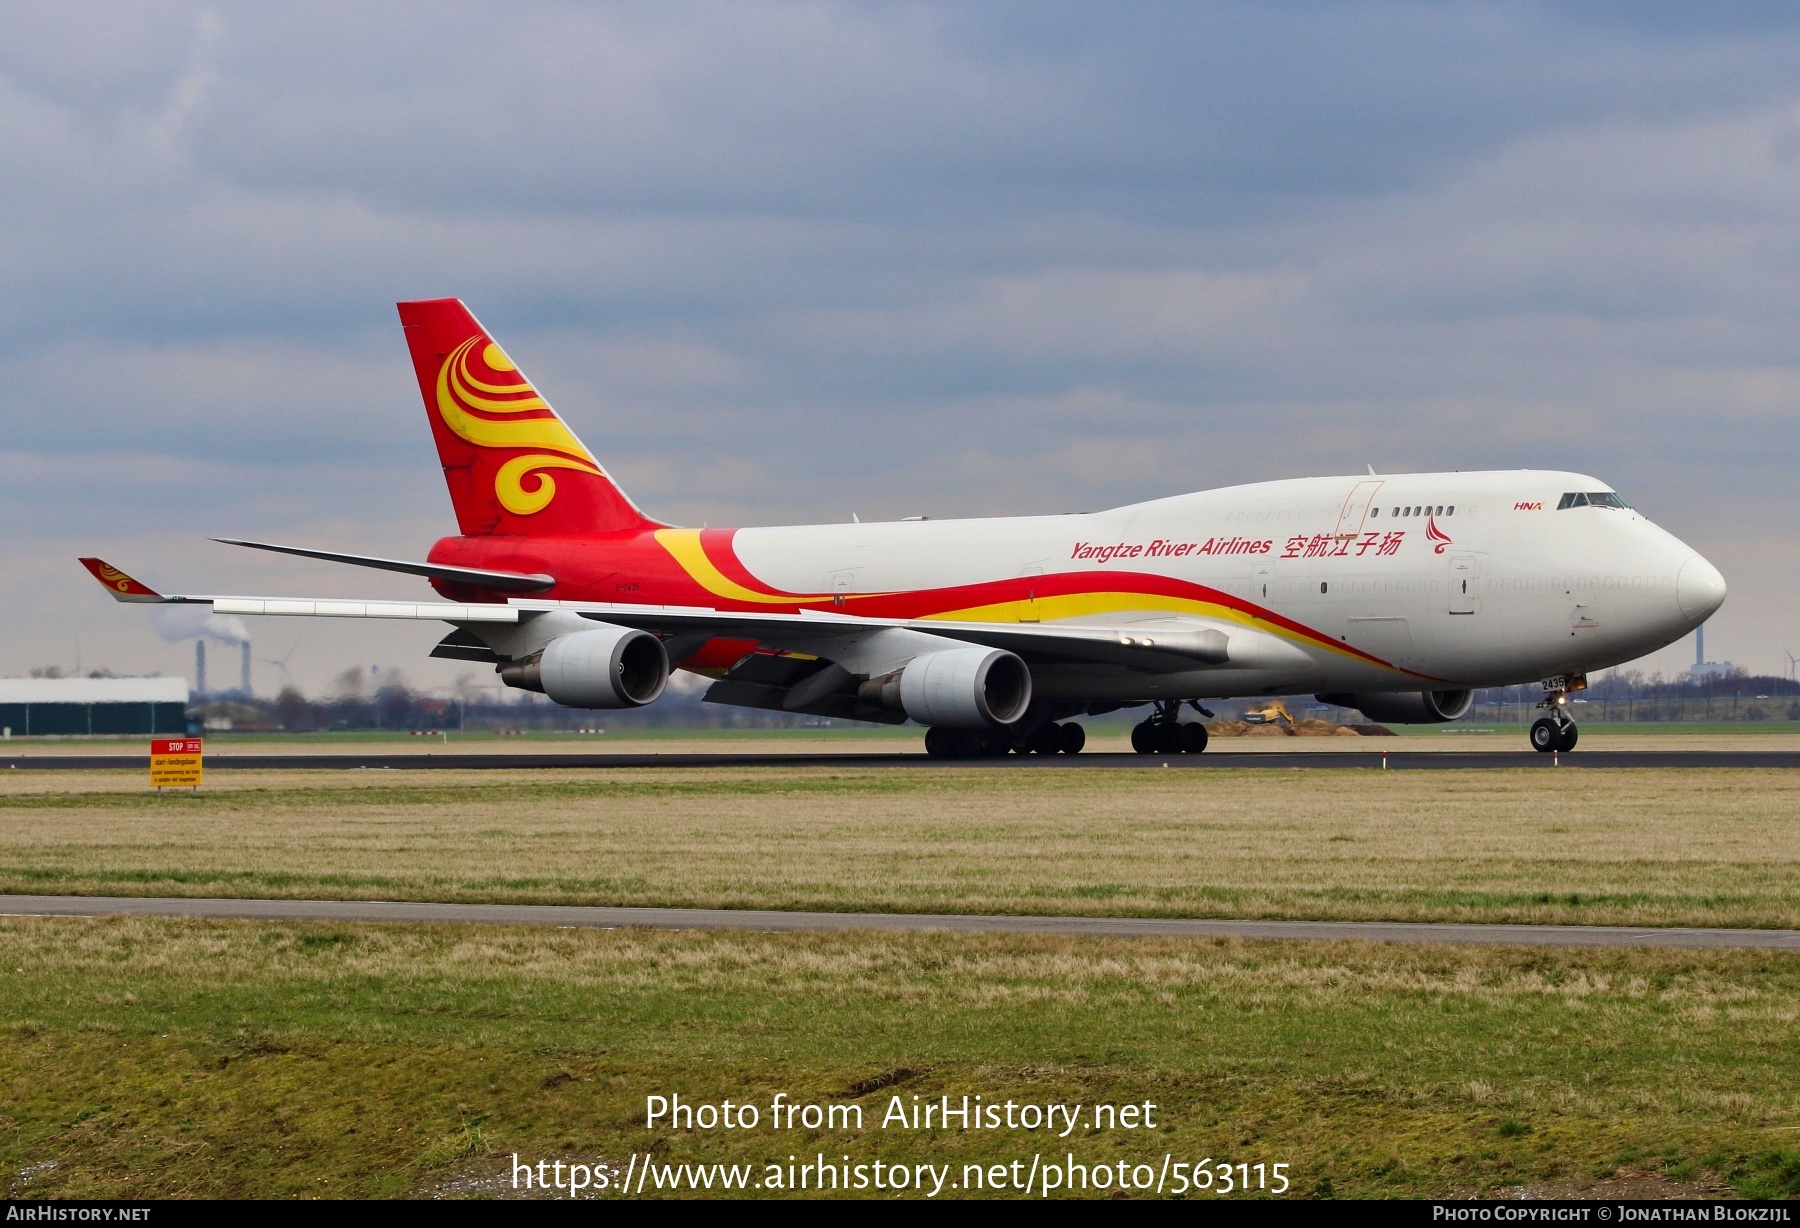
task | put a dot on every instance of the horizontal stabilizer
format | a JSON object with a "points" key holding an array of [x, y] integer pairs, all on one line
{"points": [[121, 586], [499, 581]]}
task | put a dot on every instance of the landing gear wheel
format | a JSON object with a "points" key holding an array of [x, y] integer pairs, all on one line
{"points": [[1162, 734], [1546, 736], [1073, 737], [1143, 738], [1569, 735], [1046, 739], [938, 743]]}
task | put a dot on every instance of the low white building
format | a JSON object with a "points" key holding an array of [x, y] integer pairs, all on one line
{"points": [[35, 707]]}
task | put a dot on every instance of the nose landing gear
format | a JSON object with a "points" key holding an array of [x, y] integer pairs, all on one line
{"points": [[1162, 734], [1548, 734], [1557, 732]]}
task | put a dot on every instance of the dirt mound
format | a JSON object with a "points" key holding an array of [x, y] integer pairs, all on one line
{"points": [[1308, 727], [1313, 727]]}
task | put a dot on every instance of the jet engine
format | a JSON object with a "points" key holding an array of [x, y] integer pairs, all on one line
{"points": [[959, 688], [1406, 707], [606, 667]]}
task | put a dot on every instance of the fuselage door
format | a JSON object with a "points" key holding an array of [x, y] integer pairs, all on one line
{"points": [[1465, 570], [1356, 509], [843, 584], [1033, 575], [1386, 636]]}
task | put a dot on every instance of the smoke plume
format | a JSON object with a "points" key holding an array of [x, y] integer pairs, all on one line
{"points": [[187, 622]]}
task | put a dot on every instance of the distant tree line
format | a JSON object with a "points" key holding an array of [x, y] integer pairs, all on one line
{"points": [[395, 705], [1629, 695]]}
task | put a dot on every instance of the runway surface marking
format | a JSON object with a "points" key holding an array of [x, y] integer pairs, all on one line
{"points": [[571, 916], [1399, 760]]}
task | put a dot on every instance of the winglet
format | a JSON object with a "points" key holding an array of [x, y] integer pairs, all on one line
{"points": [[121, 586]]}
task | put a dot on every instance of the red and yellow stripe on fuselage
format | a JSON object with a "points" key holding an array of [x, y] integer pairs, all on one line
{"points": [[699, 567]]}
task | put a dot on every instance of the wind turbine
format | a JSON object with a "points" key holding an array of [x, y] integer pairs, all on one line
{"points": [[287, 678], [1791, 662]]}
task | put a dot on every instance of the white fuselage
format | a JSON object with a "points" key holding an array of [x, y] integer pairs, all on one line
{"points": [[1488, 583]]}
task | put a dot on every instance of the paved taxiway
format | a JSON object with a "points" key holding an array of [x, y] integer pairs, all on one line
{"points": [[572, 916], [1400, 760]]}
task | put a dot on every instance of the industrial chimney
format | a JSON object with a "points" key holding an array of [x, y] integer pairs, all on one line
{"points": [[200, 668], [246, 669]]}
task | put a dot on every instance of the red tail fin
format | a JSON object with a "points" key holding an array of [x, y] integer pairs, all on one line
{"points": [[512, 466]]}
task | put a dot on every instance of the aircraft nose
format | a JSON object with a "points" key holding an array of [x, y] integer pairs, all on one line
{"points": [[1699, 589]]}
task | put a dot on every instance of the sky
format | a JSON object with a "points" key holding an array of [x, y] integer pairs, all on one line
{"points": [[789, 262]]}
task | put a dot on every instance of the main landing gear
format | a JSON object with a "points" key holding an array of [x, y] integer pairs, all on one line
{"points": [[1162, 734], [1048, 738], [1555, 732]]}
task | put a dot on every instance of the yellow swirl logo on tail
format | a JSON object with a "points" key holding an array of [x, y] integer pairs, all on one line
{"points": [[462, 399], [509, 483]]}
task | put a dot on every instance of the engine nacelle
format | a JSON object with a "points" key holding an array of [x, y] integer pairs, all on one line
{"points": [[961, 688], [1406, 707], [606, 667]]}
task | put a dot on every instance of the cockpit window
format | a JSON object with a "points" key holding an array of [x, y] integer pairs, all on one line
{"points": [[1592, 498]]}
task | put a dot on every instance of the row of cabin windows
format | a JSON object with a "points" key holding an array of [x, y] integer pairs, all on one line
{"points": [[1510, 584], [1424, 510], [1592, 498], [1382, 586], [1563, 584]]}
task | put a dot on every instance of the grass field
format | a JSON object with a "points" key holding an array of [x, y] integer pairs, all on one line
{"points": [[160, 1057], [149, 1057], [1639, 847]]}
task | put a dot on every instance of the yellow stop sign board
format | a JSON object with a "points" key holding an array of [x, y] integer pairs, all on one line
{"points": [[175, 763]]}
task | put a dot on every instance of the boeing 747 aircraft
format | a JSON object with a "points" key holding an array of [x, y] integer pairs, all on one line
{"points": [[1396, 595]]}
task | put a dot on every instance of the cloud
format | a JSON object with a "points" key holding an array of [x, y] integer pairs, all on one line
{"points": [[1182, 316]]}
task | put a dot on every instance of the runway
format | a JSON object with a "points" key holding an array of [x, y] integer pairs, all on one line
{"points": [[1398, 760], [570, 917]]}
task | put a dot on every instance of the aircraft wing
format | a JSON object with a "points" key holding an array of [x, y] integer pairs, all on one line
{"points": [[1163, 646], [1158, 648], [123, 588]]}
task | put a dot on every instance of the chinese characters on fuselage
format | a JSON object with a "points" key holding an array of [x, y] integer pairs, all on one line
{"points": [[1339, 546]]}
